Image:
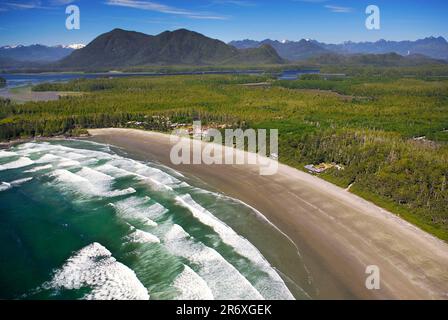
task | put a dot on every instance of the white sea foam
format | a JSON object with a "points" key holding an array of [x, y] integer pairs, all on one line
{"points": [[155, 210], [122, 167], [113, 171], [48, 158], [94, 267], [139, 209], [19, 163], [8, 185], [271, 288], [58, 161], [104, 147], [6, 154], [140, 236], [88, 185], [19, 182], [183, 185], [191, 286], [69, 177], [39, 168], [30, 147], [224, 281], [175, 172], [155, 177], [74, 156], [5, 186], [94, 176], [65, 163], [61, 151], [79, 153]]}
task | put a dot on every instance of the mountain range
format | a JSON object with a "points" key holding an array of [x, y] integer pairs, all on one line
{"points": [[37, 52], [436, 48], [119, 48]]}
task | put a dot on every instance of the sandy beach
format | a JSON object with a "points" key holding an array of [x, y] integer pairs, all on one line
{"points": [[337, 233]]}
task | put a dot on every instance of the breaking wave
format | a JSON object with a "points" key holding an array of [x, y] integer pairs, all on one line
{"points": [[191, 286], [223, 279], [154, 205], [88, 185], [95, 268], [8, 185], [19, 163], [276, 287]]}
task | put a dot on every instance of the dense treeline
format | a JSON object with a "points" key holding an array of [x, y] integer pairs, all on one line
{"points": [[382, 60], [370, 87], [410, 174], [368, 125], [423, 72]]}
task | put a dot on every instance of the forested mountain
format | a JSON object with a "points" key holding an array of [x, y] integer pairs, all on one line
{"points": [[436, 48], [119, 48]]}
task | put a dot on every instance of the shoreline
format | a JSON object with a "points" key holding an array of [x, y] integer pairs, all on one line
{"points": [[12, 143], [338, 233]]}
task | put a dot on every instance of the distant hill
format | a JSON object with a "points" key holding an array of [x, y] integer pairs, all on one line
{"points": [[7, 64], [37, 52], [436, 48], [248, 56], [289, 50], [121, 48], [376, 60], [432, 47]]}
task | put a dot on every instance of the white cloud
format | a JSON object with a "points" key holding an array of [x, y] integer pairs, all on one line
{"points": [[239, 3], [199, 17], [24, 5], [158, 7], [30, 4], [339, 9], [61, 2], [311, 1]]}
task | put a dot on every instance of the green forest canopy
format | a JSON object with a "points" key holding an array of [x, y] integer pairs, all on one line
{"points": [[366, 124]]}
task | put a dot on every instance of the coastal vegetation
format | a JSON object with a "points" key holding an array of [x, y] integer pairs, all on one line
{"points": [[2, 82], [388, 132]]}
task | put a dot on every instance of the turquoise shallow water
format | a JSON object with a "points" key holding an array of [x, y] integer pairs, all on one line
{"points": [[80, 221]]}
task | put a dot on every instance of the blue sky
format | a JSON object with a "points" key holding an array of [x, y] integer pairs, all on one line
{"points": [[334, 21]]}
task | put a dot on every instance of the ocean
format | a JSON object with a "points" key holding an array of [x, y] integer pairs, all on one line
{"points": [[83, 220]]}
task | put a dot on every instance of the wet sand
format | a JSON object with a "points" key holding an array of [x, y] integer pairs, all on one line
{"points": [[338, 234]]}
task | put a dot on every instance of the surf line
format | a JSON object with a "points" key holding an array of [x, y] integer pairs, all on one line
{"points": [[193, 311]]}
